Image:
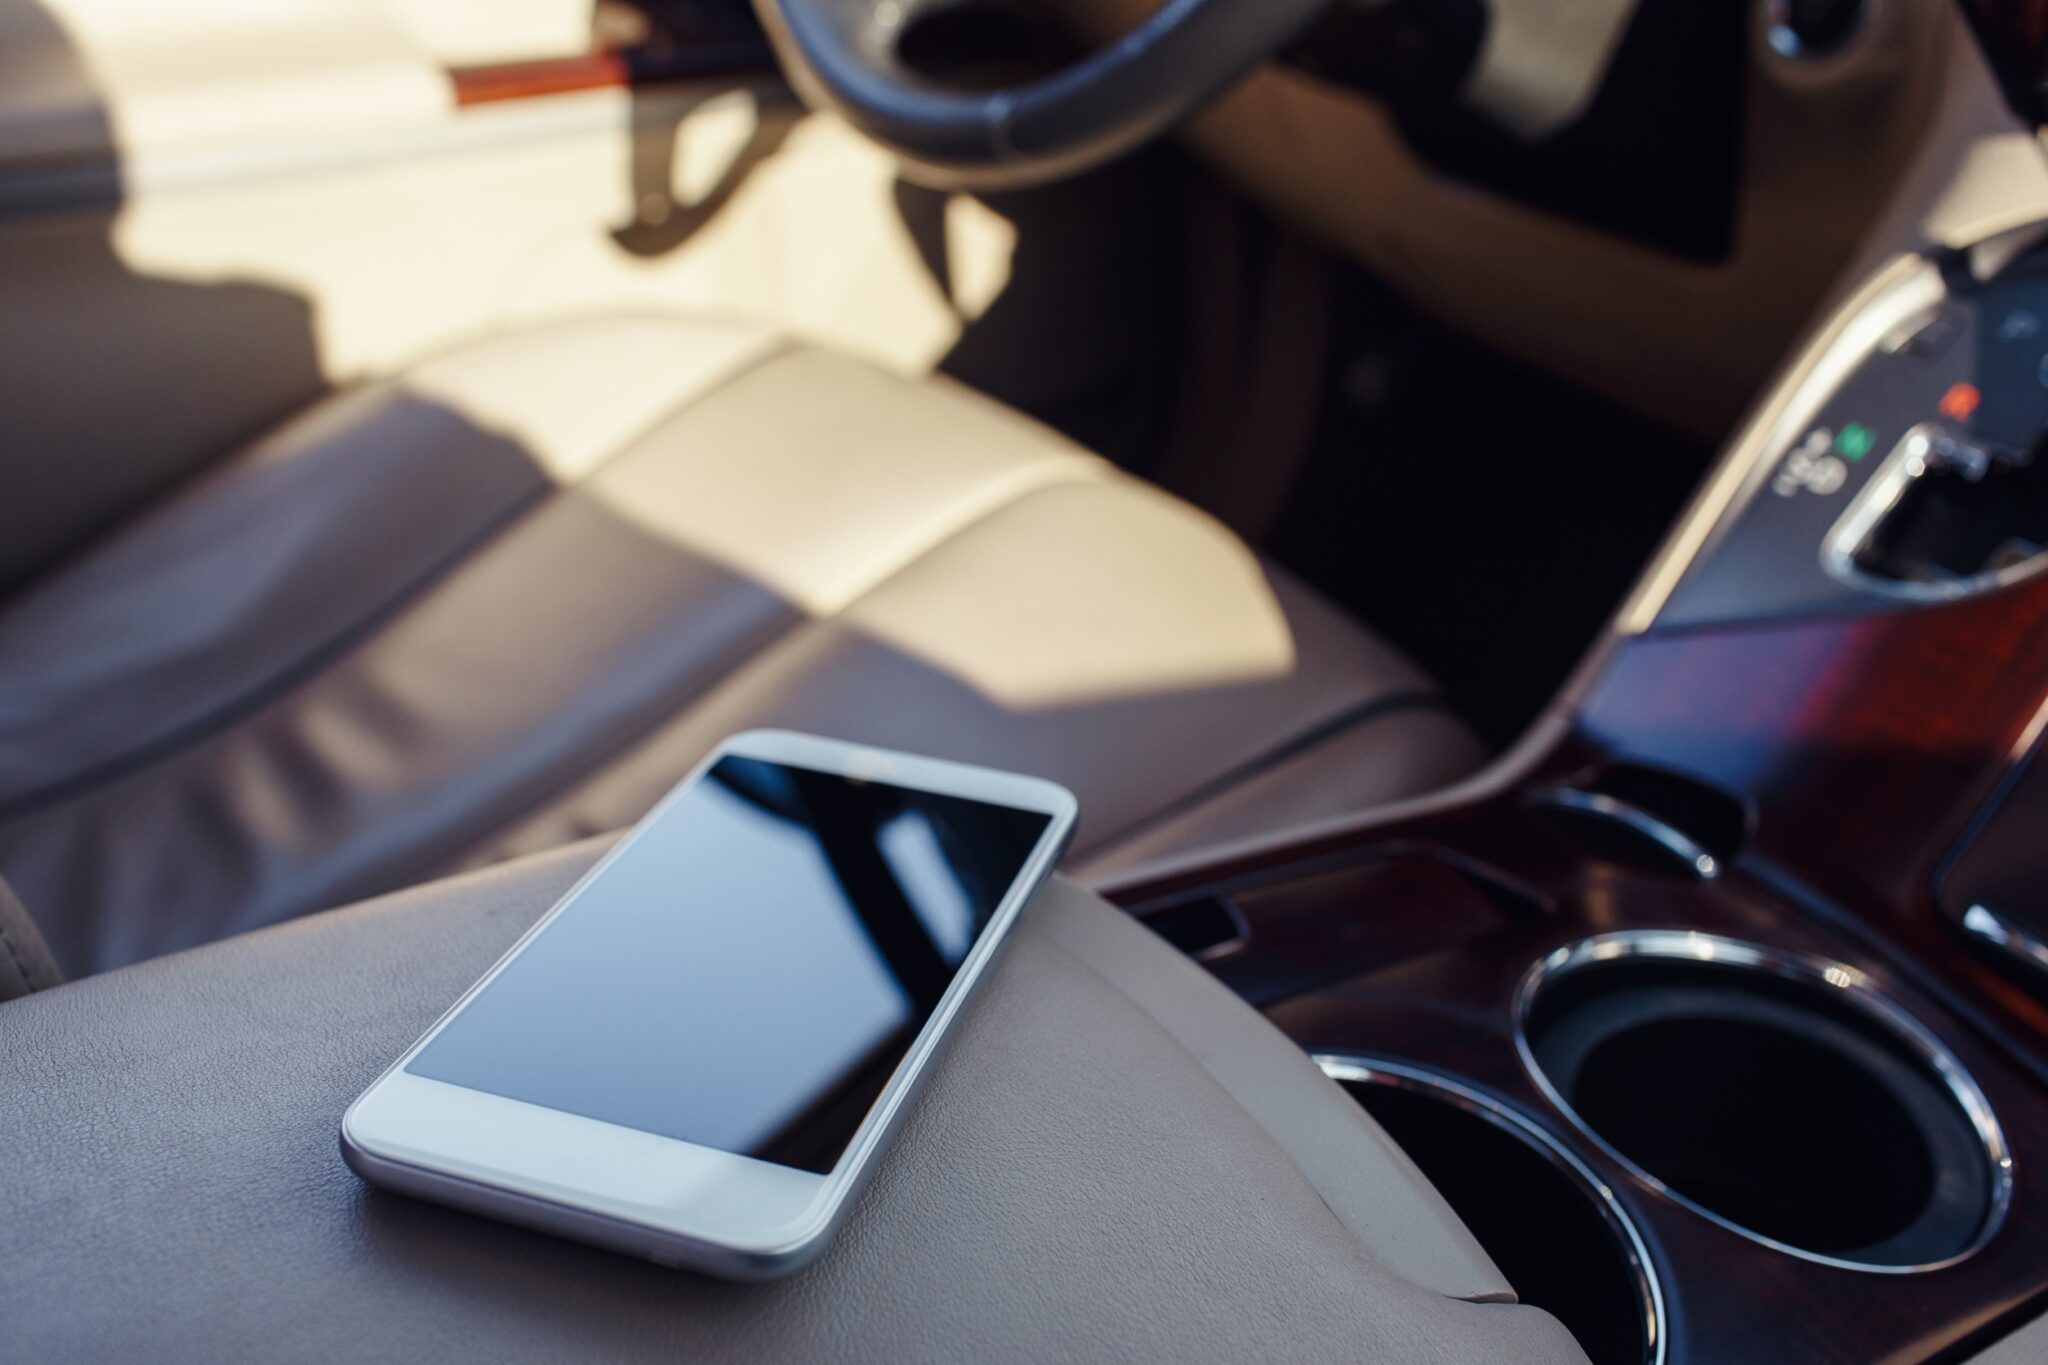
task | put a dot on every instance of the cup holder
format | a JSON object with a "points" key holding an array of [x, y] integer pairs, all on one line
{"points": [[1553, 1229], [1784, 1098]]}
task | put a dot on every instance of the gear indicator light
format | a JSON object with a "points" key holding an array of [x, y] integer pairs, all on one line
{"points": [[1960, 401]]}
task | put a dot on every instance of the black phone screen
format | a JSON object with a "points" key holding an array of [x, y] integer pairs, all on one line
{"points": [[749, 972]]}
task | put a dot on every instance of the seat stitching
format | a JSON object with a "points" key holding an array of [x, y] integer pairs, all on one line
{"points": [[1076, 472], [1209, 1072], [1284, 1145], [20, 968], [1266, 760], [1000, 495], [782, 348], [9, 902], [448, 855], [345, 640]]}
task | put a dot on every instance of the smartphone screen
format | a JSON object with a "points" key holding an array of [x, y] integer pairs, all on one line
{"points": [[750, 970]]}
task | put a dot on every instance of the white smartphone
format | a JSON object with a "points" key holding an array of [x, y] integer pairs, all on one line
{"points": [[698, 1055]]}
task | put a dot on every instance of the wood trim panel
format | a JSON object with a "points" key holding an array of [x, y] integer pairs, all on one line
{"points": [[1864, 747]]}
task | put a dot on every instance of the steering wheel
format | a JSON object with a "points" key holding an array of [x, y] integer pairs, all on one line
{"points": [[843, 55]]}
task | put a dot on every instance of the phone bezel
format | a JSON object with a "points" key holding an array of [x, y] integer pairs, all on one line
{"points": [[642, 1192]]}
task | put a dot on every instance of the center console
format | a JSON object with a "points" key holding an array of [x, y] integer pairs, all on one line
{"points": [[1747, 945], [1908, 474]]}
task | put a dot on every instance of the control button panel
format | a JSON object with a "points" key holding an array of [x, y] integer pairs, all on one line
{"points": [[1948, 515], [1916, 480]]}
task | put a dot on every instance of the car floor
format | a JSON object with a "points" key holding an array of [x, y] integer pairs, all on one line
{"points": [[1483, 516]]}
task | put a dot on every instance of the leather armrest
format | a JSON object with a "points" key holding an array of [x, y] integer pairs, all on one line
{"points": [[1115, 1156]]}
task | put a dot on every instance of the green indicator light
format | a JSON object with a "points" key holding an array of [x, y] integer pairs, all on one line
{"points": [[1855, 441]]}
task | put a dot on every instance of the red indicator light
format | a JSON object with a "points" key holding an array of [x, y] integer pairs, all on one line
{"points": [[1960, 401]]}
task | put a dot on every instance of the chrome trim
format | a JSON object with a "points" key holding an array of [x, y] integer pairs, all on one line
{"points": [[1365, 1069], [1978, 920], [1578, 801], [1240, 933], [1904, 288], [1855, 987], [1914, 456], [1986, 925], [1898, 290], [1786, 42], [1991, 253]]}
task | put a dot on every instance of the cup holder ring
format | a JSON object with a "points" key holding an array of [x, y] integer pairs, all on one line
{"points": [[1830, 988], [1577, 1181]]}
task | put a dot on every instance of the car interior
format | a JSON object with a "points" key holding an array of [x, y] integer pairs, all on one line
{"points": [[1518, 520]]}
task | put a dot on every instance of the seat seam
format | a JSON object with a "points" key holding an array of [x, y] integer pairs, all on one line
{"points": [[781, 348], [1040, 476], [1069, 470], [445, 857], [1284, 1145], [21, 971], [291, 676], [1209, 1073], [1062, 468], [1057, 469], [1302, 741], [1079, 472]]}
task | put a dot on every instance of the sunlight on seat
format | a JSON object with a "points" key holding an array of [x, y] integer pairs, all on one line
{"points": [[817, 478], [1086, 593], [1026, 569], [630, 374]]}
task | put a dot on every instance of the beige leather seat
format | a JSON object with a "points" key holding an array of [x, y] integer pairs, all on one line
{"points": [[508, 599]]}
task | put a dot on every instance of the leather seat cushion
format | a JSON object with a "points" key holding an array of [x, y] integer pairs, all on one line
{"points": [[509, 598]]}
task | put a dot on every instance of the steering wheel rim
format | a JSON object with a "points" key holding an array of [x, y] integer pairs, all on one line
{"points": [[842, 55]]}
